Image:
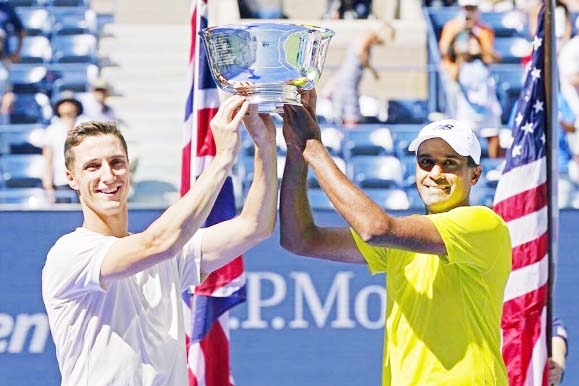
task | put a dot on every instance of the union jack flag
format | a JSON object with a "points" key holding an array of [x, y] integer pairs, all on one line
{"points": [[208, 303], [522, 199]]}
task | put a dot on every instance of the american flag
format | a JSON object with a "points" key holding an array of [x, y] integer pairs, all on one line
{"points": [[208, 343], [521, 198]]}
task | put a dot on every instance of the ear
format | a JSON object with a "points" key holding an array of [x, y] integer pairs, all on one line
{"points": [[71, 180], [475, 175]]}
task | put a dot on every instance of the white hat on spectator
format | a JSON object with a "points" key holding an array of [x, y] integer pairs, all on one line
{"points": [[468, 3]]}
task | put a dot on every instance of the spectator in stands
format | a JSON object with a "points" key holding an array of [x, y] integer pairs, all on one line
{"points": [[476, 102], [563, 24], [348, 9], [568, 129], [439, 3], [253, 9], [68, 110], [113, 297], [569, 84], [446, 262], [468, 19], [10, 24], [344, 87], [568, 161], [95, 103], [559, 351]]}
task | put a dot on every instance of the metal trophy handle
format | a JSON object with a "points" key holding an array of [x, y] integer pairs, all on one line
{"points": [[267, 62]]}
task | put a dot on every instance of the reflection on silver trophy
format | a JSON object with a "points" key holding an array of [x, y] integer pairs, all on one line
{"points": [[267, 62]]}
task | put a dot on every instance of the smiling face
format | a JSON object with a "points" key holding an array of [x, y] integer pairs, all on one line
{"points": [[99, 171], [443, 177]]}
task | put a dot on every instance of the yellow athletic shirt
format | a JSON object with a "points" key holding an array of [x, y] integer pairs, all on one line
{"points": [[443, 313]]}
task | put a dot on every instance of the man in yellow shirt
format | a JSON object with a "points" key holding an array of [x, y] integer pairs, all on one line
{"points": [[446, 270]]}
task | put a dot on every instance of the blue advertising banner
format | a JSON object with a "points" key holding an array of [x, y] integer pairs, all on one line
{"points": [[305, 322]]}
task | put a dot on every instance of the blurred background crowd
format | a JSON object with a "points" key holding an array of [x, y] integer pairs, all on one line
{"points": [[392, 67]]}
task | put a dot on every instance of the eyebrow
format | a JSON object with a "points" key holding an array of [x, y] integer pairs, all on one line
{"points": [[453, 156]]}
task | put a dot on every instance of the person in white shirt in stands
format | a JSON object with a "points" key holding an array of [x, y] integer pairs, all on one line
{"points": [[68, 112], [95, 102], [113, 298]]}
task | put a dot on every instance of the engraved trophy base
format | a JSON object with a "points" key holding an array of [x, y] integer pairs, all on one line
{"points": [[270, 98]]}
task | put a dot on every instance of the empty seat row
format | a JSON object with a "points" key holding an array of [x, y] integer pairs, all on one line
{"points": [[49, 3], [52, 78], [77, 48], [58, 21]]}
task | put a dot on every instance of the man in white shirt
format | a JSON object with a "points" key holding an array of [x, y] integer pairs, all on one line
{"points": [[113, 297]]}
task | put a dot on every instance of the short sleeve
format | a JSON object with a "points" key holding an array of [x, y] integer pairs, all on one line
{"points": [[73, 268], [189, 261], [376, 257], [473, 235]]}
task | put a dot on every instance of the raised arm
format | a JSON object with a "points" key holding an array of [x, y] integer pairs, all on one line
{"points": [[165, 237], [226, 240], [367, 218], [298, 232]]}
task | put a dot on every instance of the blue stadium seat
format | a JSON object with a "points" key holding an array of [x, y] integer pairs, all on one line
{"points": [[22, 170], [403, 135], [376, 171], [311, 178], [492, 170], [407, 111], [414, 199], [74, 21], [27, 3], [371, 109], [35, 50], [409, 166], [36, 21], [76, 77], [482, 194], [371, 140], [21, 139], [67, 3], [509, 81], [389, 199], [25, 197], [79, 48], [30, 78], [332, 138], [506, 23], [31, 108], [512, 49]]}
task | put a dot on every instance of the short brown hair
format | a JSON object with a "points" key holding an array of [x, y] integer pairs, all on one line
{"points": [[83, 130]]}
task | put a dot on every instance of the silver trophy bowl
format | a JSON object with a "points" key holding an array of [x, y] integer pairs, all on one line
{"points": [[267, 62]]}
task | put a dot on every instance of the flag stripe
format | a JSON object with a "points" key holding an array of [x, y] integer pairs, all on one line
{"points": [[208, 340], [528, 202], [530, 252], [525, 280]]}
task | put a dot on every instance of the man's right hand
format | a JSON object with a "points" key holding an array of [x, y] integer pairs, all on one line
{"points": [[300, 123], [225, 126]]}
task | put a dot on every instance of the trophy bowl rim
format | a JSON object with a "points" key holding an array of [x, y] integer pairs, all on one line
{"points": [[244, 26]]}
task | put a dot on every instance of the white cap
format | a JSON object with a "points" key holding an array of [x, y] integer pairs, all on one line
{"points": [[457, 134], [468, 3]]}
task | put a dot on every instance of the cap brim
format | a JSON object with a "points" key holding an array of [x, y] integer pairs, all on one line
{"points": [[457, 147]]}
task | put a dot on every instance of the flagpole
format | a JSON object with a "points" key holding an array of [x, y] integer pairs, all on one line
{"points": [[551, 145]]}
